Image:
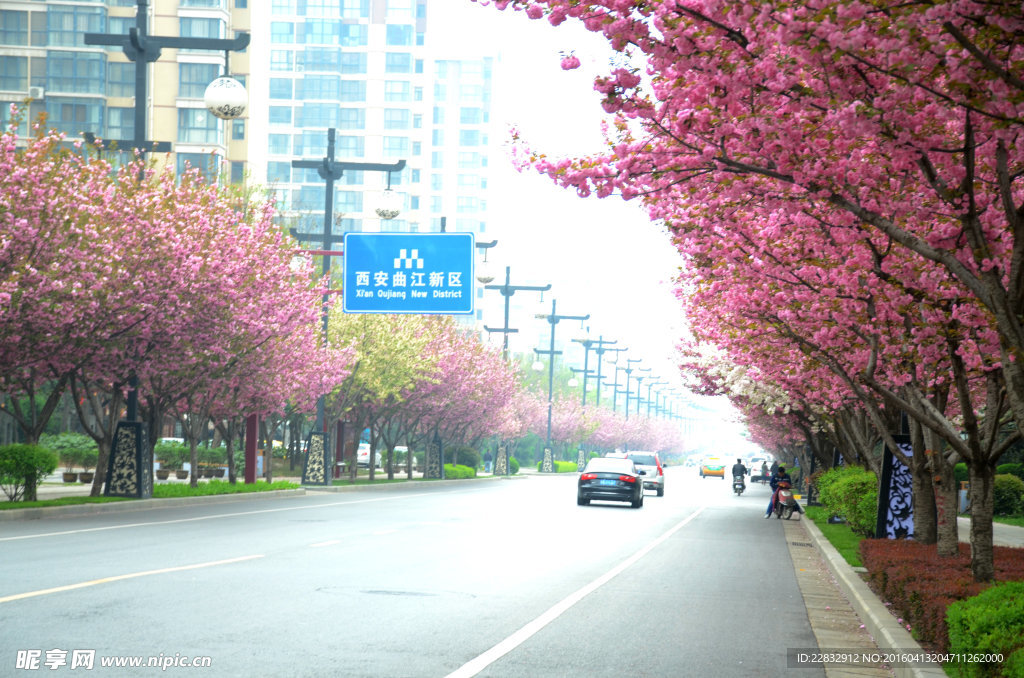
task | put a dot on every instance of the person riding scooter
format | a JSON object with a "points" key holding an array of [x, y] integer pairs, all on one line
{"points": [[780, 476], [739, 471]]}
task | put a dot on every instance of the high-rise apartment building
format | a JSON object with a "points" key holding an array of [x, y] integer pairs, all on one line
{"points": [[91, 89]]}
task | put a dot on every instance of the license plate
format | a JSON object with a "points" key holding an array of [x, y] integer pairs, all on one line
{"points": [[609, 482]]}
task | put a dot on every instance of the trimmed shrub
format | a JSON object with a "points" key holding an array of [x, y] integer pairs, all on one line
{"points": [[72, 449], [513, 465], [463, 455], [851, 493], [22, 467], [561, 466], [991, 622], [920, 585], [1007, 493], [173, 455], [960, 473], [458, 472], [1012, 469]]}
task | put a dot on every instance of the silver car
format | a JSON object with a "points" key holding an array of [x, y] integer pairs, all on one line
{"points": [[654, 476]]}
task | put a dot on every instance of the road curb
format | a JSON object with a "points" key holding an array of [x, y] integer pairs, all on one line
{"points": [[37, 513], [879, 622]]}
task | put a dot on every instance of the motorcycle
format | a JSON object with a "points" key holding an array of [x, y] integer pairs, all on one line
{"points": [[738, 485], [785, 502]]}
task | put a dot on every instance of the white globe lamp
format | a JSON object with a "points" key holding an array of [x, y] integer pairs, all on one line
{"points": [[389, 204], [226, 98]]}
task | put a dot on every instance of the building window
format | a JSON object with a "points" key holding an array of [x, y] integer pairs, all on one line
{"points": [[280, 88], [280, 115], [13, 27], [282, 32], [74, 116], [237, 172], [350, 146], [279, 144], [310, 198], [209, 4], [353, 63], [198, 126], [325, 87], [207, 163], [78, 72], [120, 123], [311, 143], [397, 90], [352, 91], [396, 118], [238, 130], [399, 36], [281, 60], [350, 202], [352, 118], [321, 58], [14, 73], [193, 27], [193, 79], [322, 32], [67, 24], [471, 116], [355, 9], [318, 115], [354, 35], [437, 137], [279, 7], [279, 172], [396, 147], [395, 62], [469, 137]]}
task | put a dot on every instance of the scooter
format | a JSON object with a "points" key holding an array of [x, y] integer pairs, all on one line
{"points": [[738, 485], [785, 502]]}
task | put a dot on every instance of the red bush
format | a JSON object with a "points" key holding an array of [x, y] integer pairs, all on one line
{"points": [[919, 585]]}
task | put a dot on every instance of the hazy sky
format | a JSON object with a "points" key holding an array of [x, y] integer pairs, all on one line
{"points": [[603, 257]]}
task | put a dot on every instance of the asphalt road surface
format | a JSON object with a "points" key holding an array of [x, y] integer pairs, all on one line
{"points": [[500, 578]]}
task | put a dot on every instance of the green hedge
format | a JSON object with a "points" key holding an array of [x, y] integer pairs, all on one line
{"points": [[561, 466], [1012, 469], [22, 467], [72, 449], [990, 623], [513, 465], [851, 493], [458, 471], [1008, 494]]}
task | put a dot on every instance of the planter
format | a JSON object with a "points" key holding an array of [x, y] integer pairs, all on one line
{"points": [[70, 477], [85, 476], [163, 474], [207, 472], [181, 474], [218, 472]]}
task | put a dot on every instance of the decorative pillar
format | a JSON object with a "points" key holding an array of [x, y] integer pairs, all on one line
{"points": [[501, 462], [314, 470], [548, 465], [130, 471], [433, 467]]}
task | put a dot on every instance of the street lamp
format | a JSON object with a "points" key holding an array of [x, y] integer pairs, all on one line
{"points": [[639, 383], [548, 465], [130, 458], [315, 466], [588, 344], [507, 290], [650, 385]]}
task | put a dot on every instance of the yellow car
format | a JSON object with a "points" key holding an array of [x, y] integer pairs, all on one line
{"points": [[712, 466]]}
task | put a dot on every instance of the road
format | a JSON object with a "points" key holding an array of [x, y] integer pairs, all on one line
{"points": [[500, 578]]}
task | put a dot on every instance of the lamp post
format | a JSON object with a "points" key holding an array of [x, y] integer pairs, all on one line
{"points": [[639, 384], [330, 170], [548, 464], [650, 385], [598, 346], [131, 459], [507, 290], [628, 369]]}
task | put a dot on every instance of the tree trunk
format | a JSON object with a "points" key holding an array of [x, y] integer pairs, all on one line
{"points": [[925, 529], [982, 484]]}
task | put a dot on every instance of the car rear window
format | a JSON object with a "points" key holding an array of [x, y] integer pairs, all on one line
{"points": [[610, 464], [644, 459]]}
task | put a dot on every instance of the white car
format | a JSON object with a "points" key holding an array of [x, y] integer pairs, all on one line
{"points": [[363, 456]]}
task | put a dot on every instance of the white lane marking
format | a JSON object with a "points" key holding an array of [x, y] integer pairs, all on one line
{"points": [[478, 664], [221, 515], [329, 542], [121, 577]]}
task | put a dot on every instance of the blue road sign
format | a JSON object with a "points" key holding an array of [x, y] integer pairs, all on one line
{"points": [[409, 273]]}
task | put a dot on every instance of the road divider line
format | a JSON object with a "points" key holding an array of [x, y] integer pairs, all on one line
{"points": [[217, 516], [122, 577], [479, 663]]}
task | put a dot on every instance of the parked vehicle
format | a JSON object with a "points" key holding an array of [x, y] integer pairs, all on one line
{"points": [[610, 479], [654, 473], [363, 456], [785, 502], [712, 466], [738, 485]]}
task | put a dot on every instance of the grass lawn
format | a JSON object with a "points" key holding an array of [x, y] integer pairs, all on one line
{"points": [[164, 491], [839, 534], [1016, 521]]}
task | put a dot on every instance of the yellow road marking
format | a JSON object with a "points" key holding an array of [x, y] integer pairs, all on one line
{"points": [[121, 577]]}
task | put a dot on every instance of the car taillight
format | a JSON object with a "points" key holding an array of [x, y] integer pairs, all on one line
{"points": [[627, 479], [588, 476]]}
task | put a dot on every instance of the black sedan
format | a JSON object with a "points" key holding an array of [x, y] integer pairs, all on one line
{"points": [[611, 479]]}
